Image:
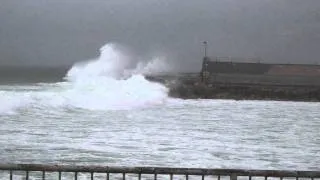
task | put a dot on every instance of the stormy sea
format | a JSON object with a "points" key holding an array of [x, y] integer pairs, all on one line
{"points": [[100, 113]]}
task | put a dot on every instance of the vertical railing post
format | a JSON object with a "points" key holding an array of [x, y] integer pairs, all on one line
{"points": [[233, 177], [108, 175], [43, 175], [27, 175], [10, 174]]}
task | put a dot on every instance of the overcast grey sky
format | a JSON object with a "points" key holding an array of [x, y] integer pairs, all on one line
{"points": [[61, 32]]}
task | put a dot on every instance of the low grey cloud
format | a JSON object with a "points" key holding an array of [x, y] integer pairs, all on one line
{"points": [[61, 32]]}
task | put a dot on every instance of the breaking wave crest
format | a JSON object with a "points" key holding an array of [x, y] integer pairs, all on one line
{"points": [[108, 83], [105, 83]]}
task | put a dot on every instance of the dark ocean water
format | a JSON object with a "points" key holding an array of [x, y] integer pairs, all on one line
{"points": [[23, 75]]}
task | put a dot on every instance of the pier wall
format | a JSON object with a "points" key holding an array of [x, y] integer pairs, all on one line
{"points": [[241, 87], [260, 68]]}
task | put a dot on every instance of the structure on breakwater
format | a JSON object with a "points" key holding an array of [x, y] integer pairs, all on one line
{"points": [[252, 71]]}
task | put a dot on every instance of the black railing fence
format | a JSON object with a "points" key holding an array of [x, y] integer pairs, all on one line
{"points": [[59, 172]]}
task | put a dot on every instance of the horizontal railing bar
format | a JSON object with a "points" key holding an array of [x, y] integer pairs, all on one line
{"points": [[159, 170]]}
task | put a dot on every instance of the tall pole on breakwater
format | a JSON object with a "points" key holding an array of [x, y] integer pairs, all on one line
{"points": [[204, 63], [205, 43]]}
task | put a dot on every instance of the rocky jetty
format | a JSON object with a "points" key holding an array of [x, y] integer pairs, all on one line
{"points": [[193, 88]]}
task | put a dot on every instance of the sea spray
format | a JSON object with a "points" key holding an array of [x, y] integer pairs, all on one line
{"points": [[105, 83], [111, 64], [10, 102]]}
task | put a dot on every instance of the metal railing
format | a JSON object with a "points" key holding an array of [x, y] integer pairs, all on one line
{"points": [[137, 172]]}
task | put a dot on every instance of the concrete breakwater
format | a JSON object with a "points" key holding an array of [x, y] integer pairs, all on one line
{"points": [[190, 86]]}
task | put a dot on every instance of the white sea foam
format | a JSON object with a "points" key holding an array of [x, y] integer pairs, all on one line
{"points": [[9, 103], [104, 83]]}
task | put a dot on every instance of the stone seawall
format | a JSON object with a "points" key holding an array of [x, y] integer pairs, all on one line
{"points": [[191, 87]]}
